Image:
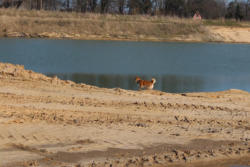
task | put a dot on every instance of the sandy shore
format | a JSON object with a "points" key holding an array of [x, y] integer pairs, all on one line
{"points": [[49, 122]]}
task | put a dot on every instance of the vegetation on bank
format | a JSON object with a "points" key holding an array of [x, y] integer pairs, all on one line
{"points": [[226, 23], [209, 9], [78, 24]]}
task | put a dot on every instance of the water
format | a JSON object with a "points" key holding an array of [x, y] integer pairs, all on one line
{"points": [[177, 67]]}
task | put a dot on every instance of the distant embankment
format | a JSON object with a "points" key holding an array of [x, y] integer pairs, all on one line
{"points": [[43, 24]]}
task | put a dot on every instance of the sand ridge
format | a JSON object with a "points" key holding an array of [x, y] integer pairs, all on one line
{"points": [[50, 122]]}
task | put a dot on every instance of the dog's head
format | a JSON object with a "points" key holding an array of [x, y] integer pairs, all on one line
{"points": [[137, 79]]}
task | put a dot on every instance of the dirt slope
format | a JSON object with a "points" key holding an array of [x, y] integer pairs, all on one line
{"points": [[49, 122]]}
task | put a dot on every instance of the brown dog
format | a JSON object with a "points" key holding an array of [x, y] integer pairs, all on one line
{"points": [[143, 84]]}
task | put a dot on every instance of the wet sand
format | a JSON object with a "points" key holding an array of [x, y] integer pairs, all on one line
{"points": [[49, 122]]}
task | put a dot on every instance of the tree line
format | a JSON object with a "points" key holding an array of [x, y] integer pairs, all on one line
{"points": [[209, 9]]}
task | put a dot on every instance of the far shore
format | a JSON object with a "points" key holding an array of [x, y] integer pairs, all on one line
{"points": [[60, 25]]}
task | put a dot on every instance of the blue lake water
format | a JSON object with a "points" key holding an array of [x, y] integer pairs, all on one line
{"points": [[177, 67]]}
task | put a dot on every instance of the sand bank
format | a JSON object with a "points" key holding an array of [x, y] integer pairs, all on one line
{"points": [[49, 122]]}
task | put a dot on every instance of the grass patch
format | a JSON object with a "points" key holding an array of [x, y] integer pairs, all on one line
{"points": [[226, 22]]}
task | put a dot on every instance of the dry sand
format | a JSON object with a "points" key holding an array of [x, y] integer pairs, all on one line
{"points": [[49, 122], [229, 34]]}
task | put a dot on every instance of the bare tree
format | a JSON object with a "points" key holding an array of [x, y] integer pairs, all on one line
{"points": [[121, 6], [104, 6], [247, 9], [174, 7]]}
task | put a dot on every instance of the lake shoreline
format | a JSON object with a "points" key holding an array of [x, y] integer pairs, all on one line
{"points": [[198, 38], [45, 121]]}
